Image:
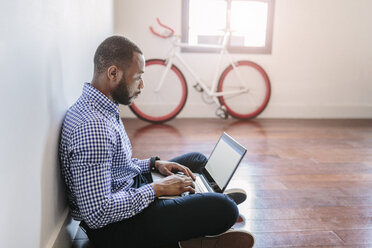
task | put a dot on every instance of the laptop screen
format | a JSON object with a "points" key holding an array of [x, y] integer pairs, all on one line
{"points": [[224, 160]]}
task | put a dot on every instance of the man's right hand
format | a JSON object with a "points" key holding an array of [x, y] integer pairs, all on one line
{"points": [[174, 185]]}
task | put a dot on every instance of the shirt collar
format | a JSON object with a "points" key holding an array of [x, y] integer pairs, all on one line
{"points": [[99, 99]]}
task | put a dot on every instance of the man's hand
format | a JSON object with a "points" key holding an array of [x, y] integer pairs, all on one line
{"points": [[168, 168], [173, 185]]}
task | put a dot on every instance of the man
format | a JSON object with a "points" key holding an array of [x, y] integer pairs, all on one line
{"points": [[111, 193]]}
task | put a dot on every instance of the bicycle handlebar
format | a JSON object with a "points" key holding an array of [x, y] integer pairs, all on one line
{"points": [[164, 26]]}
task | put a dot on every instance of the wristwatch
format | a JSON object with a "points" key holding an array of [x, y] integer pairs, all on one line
{"points": [[152, 162]]}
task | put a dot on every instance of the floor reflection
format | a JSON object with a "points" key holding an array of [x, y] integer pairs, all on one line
{"points": [[151, 129], [253, 126], [149, 140]]}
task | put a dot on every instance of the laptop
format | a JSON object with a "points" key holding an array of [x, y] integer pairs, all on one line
{"points": [[220, 168]]}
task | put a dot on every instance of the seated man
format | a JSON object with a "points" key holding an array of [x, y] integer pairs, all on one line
{"points": [[113, 194]]}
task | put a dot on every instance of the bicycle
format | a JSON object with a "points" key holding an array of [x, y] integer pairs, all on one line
{"points": [[243, 89]]}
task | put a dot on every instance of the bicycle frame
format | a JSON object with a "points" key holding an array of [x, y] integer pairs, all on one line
{"points": [[210, 91]]}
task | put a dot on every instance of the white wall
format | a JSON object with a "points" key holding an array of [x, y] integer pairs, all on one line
{"points": [[320, 66], [46, 53]]}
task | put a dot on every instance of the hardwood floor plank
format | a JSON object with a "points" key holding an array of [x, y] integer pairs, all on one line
{"points": [[356, 236], [303, 213], [299, 239], [306, 224]]}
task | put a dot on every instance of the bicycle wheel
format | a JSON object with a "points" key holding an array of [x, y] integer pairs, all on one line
{"points": [[246, 75], [156, 104]]}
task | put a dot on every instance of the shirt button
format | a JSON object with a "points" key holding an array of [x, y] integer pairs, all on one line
{"points": [[133, 213]]}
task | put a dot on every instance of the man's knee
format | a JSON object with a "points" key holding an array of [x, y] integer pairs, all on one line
{"points": [[193, 160], [225, 212], [199, 158], [230, 209]]}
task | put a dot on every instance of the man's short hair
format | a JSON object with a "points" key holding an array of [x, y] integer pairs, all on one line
{"points": [[115, 50]]}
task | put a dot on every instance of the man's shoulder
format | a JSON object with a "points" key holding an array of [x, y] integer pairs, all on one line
{"points": [[82, 115]]}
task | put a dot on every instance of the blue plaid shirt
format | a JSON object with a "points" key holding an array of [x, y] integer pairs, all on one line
{"points": [[97, 164]]}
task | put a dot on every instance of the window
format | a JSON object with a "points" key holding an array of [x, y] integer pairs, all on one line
{"points": [[250, 23]]}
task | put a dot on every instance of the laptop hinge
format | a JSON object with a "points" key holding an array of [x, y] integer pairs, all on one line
{"points": [[205, 181]]}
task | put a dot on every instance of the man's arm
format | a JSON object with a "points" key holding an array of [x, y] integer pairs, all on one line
{"points": [[91, 154]]}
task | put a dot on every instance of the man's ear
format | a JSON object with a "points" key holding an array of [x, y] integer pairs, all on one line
{"points": [[114, 74]]}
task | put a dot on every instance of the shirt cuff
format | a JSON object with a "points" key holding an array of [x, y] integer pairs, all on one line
{"points": [[149, 192], [144, 165]]}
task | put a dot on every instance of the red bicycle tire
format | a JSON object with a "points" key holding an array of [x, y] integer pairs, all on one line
{"points": [[265, 101], [164, 118]]}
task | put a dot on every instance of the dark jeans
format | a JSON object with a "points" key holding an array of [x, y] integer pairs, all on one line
{"points": [[165, 222]]}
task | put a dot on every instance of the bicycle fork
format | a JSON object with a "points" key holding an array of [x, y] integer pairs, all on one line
{"points": [[165, 72]]}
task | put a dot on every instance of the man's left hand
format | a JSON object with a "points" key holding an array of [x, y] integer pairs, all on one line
{"points": [[168, 168]]}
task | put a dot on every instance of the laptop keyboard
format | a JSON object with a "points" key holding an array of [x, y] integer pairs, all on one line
{"points": [[199, 185]]}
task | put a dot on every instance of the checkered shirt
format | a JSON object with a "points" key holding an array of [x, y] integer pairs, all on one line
{"points": [[97, 164]]}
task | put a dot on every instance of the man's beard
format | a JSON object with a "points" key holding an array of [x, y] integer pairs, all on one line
{"points": [[121, 93]]}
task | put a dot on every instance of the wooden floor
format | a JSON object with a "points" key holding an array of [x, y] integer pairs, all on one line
{"points": [[309, 182]]}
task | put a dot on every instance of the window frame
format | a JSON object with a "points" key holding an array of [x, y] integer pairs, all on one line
{"points": [[267, 49]]}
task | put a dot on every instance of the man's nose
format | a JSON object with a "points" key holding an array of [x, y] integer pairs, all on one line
{"points": [[141, 85]]}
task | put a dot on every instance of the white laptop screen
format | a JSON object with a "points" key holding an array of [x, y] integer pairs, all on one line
{"points": [[224, 160]]}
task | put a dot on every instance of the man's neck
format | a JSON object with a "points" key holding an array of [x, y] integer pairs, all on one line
{"points": [[99, 83]]}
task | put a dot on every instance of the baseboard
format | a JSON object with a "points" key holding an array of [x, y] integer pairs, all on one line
{"points": [[279, 111], [318, 111], [64, 232]]}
